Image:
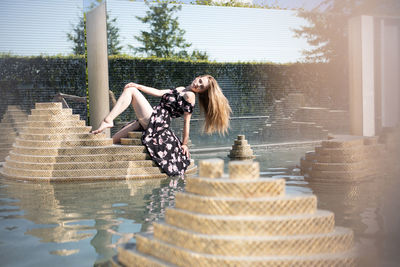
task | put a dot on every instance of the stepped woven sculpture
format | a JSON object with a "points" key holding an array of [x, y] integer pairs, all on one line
{"points": [[56, 146], [241, 150], [241, 220], [11, 124], [346, 158]]}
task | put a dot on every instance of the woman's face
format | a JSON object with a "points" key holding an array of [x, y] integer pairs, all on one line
{"points": [[200, 84]]}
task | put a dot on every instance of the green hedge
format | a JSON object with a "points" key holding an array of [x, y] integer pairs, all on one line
{"points": [[250, 87]]}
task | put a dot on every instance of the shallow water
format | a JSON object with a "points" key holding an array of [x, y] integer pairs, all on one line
{"points": [[82, 224]]}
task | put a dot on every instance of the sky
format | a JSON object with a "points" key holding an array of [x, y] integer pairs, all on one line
{"points": [[227, 34]]}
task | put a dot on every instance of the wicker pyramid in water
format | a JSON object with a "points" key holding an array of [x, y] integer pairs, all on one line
{"points": [[346, 158], [241, 220], [241, 150], [56, 145], [11, 123]]}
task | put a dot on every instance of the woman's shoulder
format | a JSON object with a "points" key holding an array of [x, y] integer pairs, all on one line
{"points": [[190, 97], [180, 89]]}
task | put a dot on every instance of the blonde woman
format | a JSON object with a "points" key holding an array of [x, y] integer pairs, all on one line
{"points": [[165, 148]]}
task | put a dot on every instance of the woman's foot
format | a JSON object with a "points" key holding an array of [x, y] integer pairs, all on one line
{"points": [[104, 125]]}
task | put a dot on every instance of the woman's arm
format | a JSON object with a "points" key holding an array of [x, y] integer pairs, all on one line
{"points": [[148, 90], [186, 129]]}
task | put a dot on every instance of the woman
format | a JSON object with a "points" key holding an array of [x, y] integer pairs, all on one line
{"points": [[171, 154]]}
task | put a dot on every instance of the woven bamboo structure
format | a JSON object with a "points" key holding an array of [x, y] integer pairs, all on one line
{"points": [[351, 158], [241, 150], [229, 221], [11, 124], [56, 145]]}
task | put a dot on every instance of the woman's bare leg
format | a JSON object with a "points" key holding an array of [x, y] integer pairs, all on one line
{"points": [[133, 126], [140, 104]]}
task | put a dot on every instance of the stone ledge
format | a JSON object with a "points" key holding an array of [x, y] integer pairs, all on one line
{"points": [[51, 118], [61, 136], [131, 141], [183, 257], [55, 124], [78, 158], [64, 143], [237, 188], [56, 130], [339, 240], [8, 170], [266, 206], [64, 111], [63, 151], [319, 222], [80, 165]]}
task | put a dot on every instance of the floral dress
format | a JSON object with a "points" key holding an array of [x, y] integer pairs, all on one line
{"points": [[163, 145]]}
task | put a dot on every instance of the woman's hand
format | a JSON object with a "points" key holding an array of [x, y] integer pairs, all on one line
{"points": [[186, 150], [132, 85]]}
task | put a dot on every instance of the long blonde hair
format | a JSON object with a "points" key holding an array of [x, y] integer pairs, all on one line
{"points": [[216, 108]]}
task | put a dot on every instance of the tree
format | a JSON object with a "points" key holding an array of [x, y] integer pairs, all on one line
{"points": [[165, 39], [327, 31], [77, 37]]}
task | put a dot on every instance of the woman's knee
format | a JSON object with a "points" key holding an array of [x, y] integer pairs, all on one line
{"points": [[131, 89]]}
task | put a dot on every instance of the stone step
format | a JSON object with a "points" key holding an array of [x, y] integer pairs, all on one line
{"points": [[70, 123], [8, 170], [6, 145], [131, 141], [240, 143], [13, 125], [342, 175], [13, 107], [80, 165], [56, 130], [339, 240], [225, 187], [67, 143], [344, 142], [7, 136], [266, 206], [348, 167], [184, 257], [62, 112], [60, 137], [58, 118], [136, 259], [305, 165], [311, 156], [79, 158], [98, 177], [372, 140], [14, 119], [340, 151], [64, 151], [348, 152], [15, 113], [136, 135], [48, 105], [341, 159], [319, 222], [5, 150], [191, 170], [8, 131]]}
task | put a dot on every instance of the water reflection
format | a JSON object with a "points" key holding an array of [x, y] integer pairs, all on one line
{"points": [[71, 215], [81, 224], [370, 208]]}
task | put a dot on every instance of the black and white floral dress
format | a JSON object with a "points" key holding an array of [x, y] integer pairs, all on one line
{"points": [[164, 147]]}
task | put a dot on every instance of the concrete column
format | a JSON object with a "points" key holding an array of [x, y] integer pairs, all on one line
{"points": [[96, 34], [390, 69], [361, 76]]}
